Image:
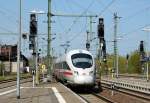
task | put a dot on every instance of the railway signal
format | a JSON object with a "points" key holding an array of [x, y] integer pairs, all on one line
{"points": [[33, 42], [141, 46], [104, 51], [101, 29], [142, 51], [127, 56], [87, 46], [31, 46], [33, 24], [33, 31], [102, 44], [101, 39]]}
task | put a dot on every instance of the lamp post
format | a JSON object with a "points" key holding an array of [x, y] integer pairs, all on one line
{"points": [[147, 54]]}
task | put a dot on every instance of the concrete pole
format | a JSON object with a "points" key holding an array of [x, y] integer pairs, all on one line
{"points": [[115, 45], [147, 75], [36, 60], [147, 66], [89, 34], [18, 51], [36, 56], [49, 41], [90, 30]]}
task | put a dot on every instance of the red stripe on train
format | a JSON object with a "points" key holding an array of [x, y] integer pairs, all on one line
{"points": [[67, 73]]}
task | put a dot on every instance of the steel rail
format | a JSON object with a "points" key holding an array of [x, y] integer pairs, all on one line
{"points": [[13, 79], [129, 92], [10, 83], [103, 98]]}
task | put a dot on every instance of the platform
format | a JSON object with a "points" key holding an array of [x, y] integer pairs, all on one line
{"points": [[44, 93]]}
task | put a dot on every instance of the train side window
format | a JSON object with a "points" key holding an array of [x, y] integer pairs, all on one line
{"points": [[60, 65], [65, 66]]}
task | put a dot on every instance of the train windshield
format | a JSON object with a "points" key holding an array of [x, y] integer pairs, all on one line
{"points": [[81, 60]]}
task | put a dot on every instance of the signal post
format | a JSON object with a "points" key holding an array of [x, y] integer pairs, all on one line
{"points": [[102, 44], [33, 45]]}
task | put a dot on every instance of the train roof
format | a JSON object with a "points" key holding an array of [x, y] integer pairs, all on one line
{"points": [[78, 51], [71, 52]]}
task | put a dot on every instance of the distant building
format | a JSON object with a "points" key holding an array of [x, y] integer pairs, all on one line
{"points": [[8, 55]]}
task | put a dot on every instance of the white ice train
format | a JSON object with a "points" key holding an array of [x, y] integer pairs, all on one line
{"points": [[77, 67]]}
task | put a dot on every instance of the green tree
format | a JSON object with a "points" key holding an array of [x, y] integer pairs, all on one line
{"points": [[122, 64], [134, 63]]}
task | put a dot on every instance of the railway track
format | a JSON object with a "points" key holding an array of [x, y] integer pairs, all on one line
{"points": [[88, 96], [13, 79], [95, 98], [129, 96], [113, 96], [12, 82]]}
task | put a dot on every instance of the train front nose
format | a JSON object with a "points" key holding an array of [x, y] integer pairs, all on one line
{"points": [[84, 79]]}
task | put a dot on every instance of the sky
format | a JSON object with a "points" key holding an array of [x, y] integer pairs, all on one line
{"points": [[134, 15]]}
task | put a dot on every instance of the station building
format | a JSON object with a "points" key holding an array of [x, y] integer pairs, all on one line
{"points": [[8, 57]]}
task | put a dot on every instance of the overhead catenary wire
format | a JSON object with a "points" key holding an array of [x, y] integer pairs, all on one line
{"points": [[4, 28], [75, 21], [11, 16], [106, 7], [84, 11], [7, 30], [60, 24], [127, 18], [6, 13], [124, 20], [80, 6], [78, 34], [135, 30], [69, 6], [77, 18]]}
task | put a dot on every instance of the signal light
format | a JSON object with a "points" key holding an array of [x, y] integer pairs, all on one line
{"points": [[141, 46], [142, 52], [87, 45], [104, 51], [104, 60], [31, 46], [33, 31], [127, 56], [101, 29], [24, 36], [33, 24], [33, 27]]}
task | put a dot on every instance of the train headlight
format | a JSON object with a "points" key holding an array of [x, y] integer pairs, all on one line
{"points": [[76, 72], [91, 73]]}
